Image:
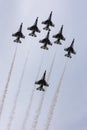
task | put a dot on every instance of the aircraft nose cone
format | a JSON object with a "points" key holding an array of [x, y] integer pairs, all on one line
{"points": [[73, 39], [37, 18], [45, 72], [73, 42], [62, 26], [51, 12]]}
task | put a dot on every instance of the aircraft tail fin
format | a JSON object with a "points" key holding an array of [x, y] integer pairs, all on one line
{"points": [[17, 40], [32, 34], [40, 89], [44, 47], [67, 55], [58, 42], [47, 28]]}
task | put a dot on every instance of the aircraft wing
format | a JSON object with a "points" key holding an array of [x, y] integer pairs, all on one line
{"points": [[45, 83], [51, 24], [31, 28], [56, 36], [49, 42], [67, 49], [62, 37], [73, 51], [38, 82], [48, 22], [43, 41], [15, 34], [18, 34], [22, 36], [45, 22], [37, 29]]}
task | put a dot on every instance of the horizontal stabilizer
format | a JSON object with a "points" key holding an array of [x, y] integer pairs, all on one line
{"points": [[44, 47], [67, 55], [17, 40], [33, 35], [58, 42], [47, 28], [40, 89]]}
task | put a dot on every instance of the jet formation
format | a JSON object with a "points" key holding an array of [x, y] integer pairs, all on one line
{"points": [[42, 82], [45, 41]]}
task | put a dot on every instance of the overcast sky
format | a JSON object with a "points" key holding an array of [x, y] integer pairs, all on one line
{"points": [[71, 108]]}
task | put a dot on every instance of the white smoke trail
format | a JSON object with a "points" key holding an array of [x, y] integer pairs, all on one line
{"points": [[17, 95], [52, 107], [31, 98], [51, 67], [7, 83], [38, 111]]}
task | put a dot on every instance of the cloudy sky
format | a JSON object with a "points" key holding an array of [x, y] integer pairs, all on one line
{"points": [[71, 108]]}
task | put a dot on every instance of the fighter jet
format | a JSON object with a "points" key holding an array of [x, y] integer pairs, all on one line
{"points": [[46, 41], [42, 82], [34, 29], [18, 34], [48, 22], [59, 36], [70, 50]]}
